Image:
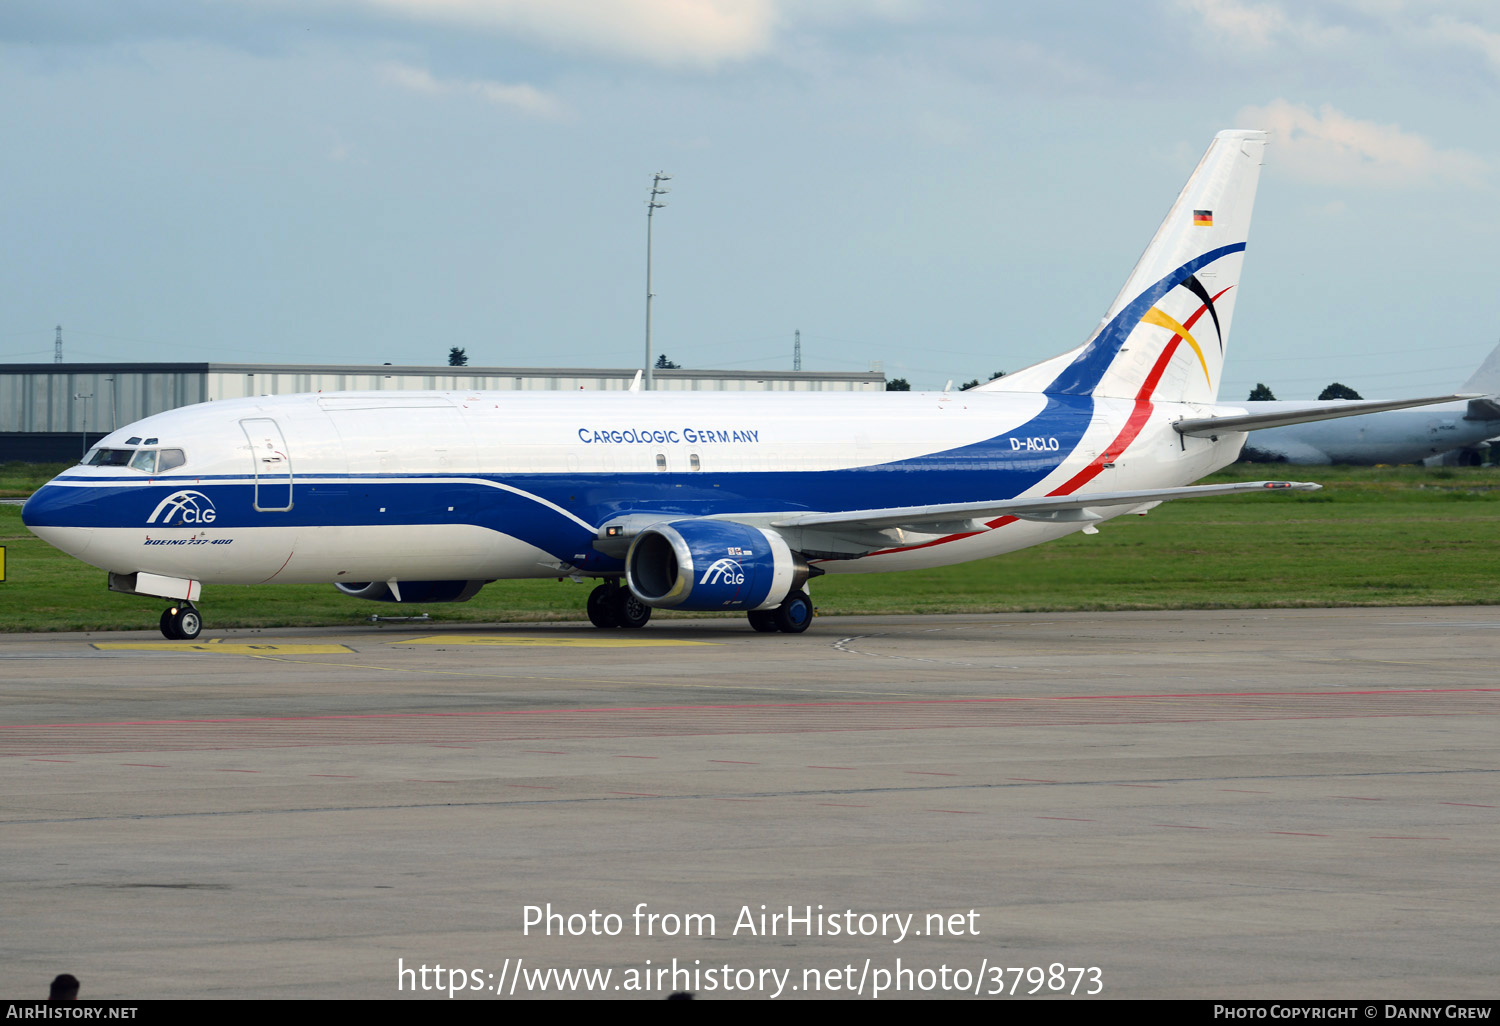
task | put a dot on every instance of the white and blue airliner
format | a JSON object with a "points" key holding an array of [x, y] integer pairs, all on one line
{"points": [[687, 500]]}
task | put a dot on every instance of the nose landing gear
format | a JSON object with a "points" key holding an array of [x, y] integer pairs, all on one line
{"points": [[181, 623]]}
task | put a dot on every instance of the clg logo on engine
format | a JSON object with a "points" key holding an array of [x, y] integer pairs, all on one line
{"points": [[723, 571], [184, 508]]}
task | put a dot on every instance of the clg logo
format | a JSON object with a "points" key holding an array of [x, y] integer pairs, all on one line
{"points": [[723, 571], [184, 508]]}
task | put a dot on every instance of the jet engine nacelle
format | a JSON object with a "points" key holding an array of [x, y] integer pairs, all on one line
{"points": [[712, 564], [413, 591]]}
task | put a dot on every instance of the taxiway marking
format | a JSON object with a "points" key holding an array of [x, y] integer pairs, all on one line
{"points": [[560, 642], [234, 648]]}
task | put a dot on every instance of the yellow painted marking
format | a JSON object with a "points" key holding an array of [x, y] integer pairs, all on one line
{"points": [[1162, 320], [218, 646], [559, 642]]}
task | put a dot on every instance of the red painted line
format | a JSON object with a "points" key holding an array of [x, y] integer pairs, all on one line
{"points": [[280, 568], [216, 770], [148, 765], [1070, 819], [945, 539], [1159, 368], [637, 757], [1470, 805], [452, 746], [1179, 826], [832, 767], [763, 705], [1356, 798], [425, 780], [1138, 416], [536, 787], [1154, 378], [336, 776], [49, 760], [1112, 452], [734, 762], [1298, 833], [931, 773], [956, 812]]}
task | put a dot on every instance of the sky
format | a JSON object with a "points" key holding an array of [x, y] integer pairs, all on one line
{"points": [[945, 188]]}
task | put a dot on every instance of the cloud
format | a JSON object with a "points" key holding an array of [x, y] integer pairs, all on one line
{"points": [[521, 97], [669, 32], [1470, 36], [1332, 148], [1251, 24], [1255, 25]]}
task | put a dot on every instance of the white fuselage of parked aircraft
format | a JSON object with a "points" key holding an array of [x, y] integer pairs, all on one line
{"points": [[485, 485]]}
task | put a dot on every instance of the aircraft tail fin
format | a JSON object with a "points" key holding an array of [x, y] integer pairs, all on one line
{"points": [[1166, 333], [1485, 380]]}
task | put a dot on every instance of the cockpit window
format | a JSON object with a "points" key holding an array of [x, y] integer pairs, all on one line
{"points": [[150, 461], [111, 457], [133, 441]]}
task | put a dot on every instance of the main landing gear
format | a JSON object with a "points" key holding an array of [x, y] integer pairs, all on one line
{"points": [[793, 616], [613, 606], [181, 623]]}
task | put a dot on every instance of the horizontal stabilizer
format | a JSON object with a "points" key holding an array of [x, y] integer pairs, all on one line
{"points": [[1327, 410], [1049, 507]]}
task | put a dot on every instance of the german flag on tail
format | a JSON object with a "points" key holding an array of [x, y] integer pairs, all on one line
{"points": [[1203, 219]]}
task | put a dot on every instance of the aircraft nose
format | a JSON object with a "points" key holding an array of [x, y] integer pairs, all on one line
{"points": [[60, 517], [49, 506]]}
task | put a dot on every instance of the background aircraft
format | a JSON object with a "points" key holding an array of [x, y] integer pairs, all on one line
{"points": [[682, 500], [1393, 436]]}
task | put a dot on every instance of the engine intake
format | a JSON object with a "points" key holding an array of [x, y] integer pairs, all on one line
{"points": [[712, 564]]}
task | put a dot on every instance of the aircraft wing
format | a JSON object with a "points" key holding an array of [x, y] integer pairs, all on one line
{"points": [[1282, 417], [1053, 508]]}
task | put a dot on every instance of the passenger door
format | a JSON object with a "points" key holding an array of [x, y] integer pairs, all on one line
{"points": [[272, 465]]}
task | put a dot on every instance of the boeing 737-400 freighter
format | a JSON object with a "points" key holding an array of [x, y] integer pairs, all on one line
{"points": [[687, 500]]}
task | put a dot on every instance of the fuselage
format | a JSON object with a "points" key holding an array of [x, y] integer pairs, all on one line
{"points": [[1395, 436], [347, 487]]}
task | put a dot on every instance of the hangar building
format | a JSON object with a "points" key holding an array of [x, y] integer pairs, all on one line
{"points": [[55, 411]]}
